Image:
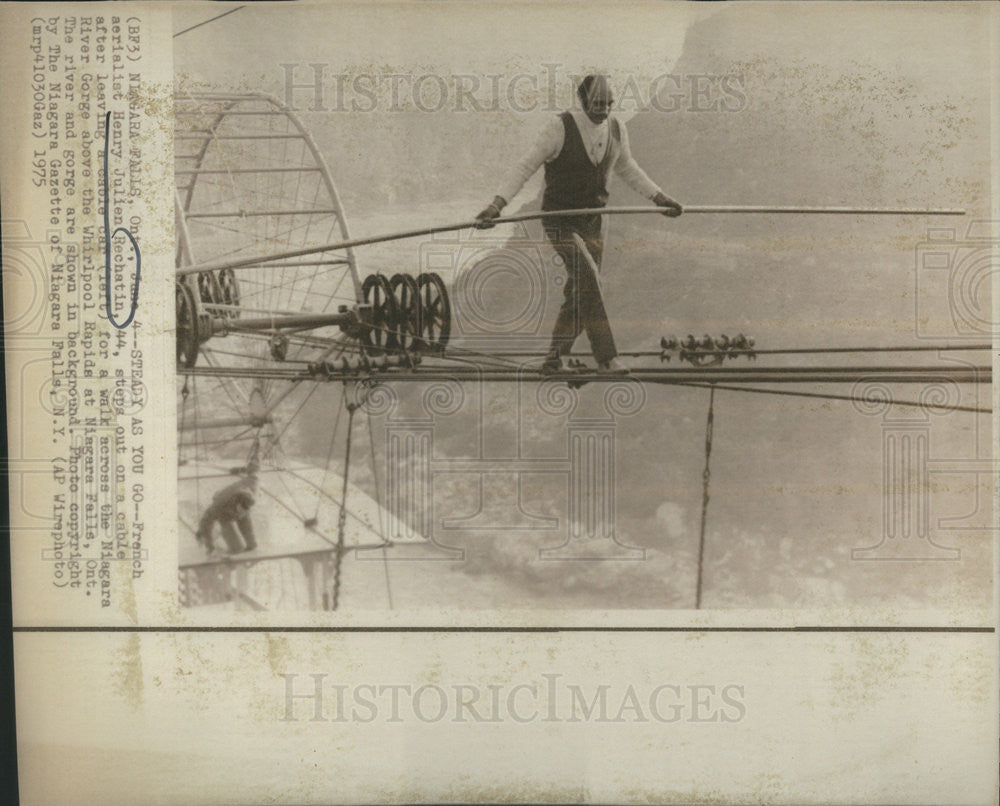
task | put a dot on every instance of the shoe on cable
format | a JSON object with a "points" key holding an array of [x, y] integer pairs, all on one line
{"points": [[553, 364], [612, 367]]}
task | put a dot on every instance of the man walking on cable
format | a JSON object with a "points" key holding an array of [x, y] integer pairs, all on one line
{"points": [[579, 149], [230, 507]]}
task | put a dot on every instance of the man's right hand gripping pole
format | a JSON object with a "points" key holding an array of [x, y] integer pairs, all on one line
{"points": [[670, 207], [485, 219]]}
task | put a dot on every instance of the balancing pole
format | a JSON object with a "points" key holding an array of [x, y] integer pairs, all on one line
{"points": [[255, 261]]}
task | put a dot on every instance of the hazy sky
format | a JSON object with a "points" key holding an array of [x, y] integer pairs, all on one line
{"points": [[884, 99], [463, 37]]}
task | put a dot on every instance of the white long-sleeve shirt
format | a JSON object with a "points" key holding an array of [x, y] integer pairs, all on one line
{"points": [[596, 139]]}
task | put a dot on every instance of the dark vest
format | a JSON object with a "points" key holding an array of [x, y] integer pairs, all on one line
{"points": [[572, 181]]}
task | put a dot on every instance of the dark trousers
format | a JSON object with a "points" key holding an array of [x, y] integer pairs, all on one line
{"points": [[583, 305], [235, 539]]}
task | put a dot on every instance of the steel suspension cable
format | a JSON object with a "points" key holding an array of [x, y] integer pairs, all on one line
{"points": [[706, 478], [774, 351], [342, 517], [329, 454], [378, 508], [831, 396], [185, 392]]}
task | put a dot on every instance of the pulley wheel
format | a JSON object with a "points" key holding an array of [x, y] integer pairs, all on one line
{"points": [[434, 324], [379, 332], [188, 336], [229, 288], [404, 291], [209, 289]]}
